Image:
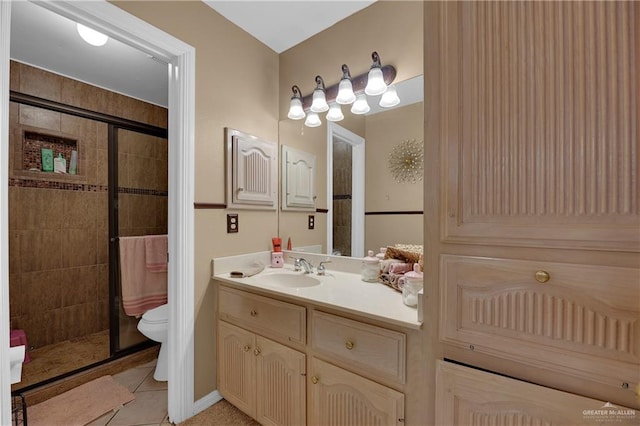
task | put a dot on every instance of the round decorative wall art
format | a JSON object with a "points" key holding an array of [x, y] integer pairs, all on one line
{"points": [[406, 161]]}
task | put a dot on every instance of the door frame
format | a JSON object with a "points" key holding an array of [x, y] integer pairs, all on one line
{"points": [[117, 23], [357, 187]]}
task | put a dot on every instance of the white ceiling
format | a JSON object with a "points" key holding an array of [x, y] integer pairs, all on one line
{"points": [[49, 41]]}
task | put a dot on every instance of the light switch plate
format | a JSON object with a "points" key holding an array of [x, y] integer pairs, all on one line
{"points": [[312, 221], [232, 223]]}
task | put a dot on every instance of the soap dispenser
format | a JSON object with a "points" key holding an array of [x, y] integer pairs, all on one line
{"points": [[370, 268]]}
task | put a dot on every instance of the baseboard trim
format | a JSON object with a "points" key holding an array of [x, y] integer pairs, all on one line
{"points": [[206, 402]]}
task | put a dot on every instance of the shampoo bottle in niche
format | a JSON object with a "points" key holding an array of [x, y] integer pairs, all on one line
{"points": [[370, 268], [59, 164], [73, 165]]}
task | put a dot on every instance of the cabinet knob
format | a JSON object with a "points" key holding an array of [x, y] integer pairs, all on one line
{"points": [[253, 313], [256, 351], [314, 380], [348, 344], [542, 276], [246, 348]]}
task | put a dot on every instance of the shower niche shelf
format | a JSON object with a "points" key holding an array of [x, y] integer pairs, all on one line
{"points": [[30, 162]]}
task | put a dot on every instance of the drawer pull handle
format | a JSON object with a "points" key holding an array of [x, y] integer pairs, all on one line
{"points": [[253, 313], [314, 380], [348, 344], [246, 348], [256, 351], [542, 276]]}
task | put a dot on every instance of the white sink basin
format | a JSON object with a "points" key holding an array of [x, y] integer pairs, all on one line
{"points": [[288, 280]]}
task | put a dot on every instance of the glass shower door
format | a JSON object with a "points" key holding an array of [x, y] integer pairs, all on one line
{"points": [[138, 206]]}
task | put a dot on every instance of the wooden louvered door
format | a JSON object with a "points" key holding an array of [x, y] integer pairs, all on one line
{"points": [[339, 397], [280, 381]]}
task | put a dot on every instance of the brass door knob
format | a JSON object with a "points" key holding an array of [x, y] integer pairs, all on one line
{"points": [[314, 380], [348, 344], [246, 348], [253, 313], [542, 276], [256, 351]]}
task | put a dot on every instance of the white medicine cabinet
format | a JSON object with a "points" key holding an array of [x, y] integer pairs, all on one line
{"points": [[252, 171]]}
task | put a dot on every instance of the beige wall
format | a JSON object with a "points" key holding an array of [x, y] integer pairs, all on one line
{"points": [[394, 30], [236, 86]]}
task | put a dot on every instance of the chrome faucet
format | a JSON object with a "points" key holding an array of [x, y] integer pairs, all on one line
{"points": [[303, 263]]}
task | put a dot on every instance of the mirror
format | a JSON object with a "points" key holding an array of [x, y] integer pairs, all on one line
{"points": [[372, 206]]}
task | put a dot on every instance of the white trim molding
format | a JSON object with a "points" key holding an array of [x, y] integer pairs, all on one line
{"points": [[5, 379], [180, 56]]}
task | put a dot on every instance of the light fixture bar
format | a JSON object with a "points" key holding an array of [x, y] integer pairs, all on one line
{"points": [[359, 83]]}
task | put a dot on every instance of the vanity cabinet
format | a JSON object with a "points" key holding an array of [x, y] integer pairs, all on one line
{"points": [[349, 372], [471, 397], [263, 378]]}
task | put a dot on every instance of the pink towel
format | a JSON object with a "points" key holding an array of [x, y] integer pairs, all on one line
{"points": [[400, 268], [141, 288], [156, 248]]}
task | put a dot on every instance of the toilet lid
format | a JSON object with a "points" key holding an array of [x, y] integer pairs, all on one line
{"points": [[159, 314]]}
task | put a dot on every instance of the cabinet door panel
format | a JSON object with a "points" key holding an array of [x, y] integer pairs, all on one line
{"points": [[340, 397], [281, 382], [539, 124], [470, 397], [236, 361]]}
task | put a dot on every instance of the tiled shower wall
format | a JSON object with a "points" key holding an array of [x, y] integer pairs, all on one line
{"points": [[58, 224]]}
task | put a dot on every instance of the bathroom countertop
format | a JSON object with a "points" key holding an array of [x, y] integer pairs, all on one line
{"points": [[338, 290]]}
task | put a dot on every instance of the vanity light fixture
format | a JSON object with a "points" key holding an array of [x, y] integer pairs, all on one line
{"points": [[296, 112], [360, 106], [345, 88], [389, 97], [313, 120], [335, 112], [319, 103], [91, 36], [349, 90], [375, 80]]}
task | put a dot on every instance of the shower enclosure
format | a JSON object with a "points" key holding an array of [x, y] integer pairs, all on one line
{"points": [[64, 228]]}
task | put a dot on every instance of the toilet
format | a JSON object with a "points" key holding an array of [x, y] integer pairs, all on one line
{"points": [[154, 324]]}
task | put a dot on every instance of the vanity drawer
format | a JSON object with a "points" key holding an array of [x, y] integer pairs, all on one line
{"points": [[281, 321], [366, 349], [568, 318]]}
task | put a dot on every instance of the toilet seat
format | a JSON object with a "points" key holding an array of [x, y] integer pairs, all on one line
{"points": [[157, 315]]}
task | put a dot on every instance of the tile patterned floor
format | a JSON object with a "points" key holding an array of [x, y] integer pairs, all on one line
{"points": [[150, 405]]}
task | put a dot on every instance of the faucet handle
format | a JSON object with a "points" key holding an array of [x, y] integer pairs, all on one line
{"points": [[322, 268], [296, 264]]}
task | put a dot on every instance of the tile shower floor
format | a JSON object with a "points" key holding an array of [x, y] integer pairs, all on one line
{"points": [[53, 360]]}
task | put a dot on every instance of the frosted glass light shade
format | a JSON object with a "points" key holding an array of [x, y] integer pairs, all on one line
{"points": [[375, 82], [295, 109], [313, 120], [345, 92], [389, 97], [360, 106], [91, 36], [319, 102], [335, 113]]}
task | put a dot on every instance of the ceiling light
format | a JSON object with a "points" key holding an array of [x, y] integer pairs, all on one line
{"points": [[335, 113], [319, 103], [296, 112], [389, 97], [375, 80], [345, 88], [91, 36], [313, 120], [360, 106]]}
